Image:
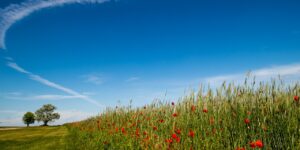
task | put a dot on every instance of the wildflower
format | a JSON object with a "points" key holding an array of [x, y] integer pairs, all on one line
{"points": [[145, 133], [178, 139], [178, 131], [248, 112], [173, 103], [214, 130], [161, 121], [105, 142], [296, 98], [117, 129], [174, 136], [259, 143], [169, 141], [205, 110], [211, 120], [240, 148], [145, 107], [154, 128], [175, 115], [252, 144], [247, 121], [137, 132], [191, 133], [123, 130], [193, 108]]}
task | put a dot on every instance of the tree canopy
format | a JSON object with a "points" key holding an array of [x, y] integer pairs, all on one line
{"points": [[28, 118], [46, 114]]}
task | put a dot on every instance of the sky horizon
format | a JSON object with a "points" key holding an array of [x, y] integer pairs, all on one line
{"points": [[85, 55]]}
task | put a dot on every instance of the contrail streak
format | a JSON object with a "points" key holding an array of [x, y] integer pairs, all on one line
{"points": [[15, 12], [48, 83]]}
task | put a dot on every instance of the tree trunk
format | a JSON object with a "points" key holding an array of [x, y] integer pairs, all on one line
{"points": [[27, 124], [45, 123]]}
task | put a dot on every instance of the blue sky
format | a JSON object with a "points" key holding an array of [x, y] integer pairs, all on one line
{"points": [[85, 56]]}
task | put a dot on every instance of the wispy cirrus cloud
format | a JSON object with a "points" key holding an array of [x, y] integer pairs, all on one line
{"points": [[94, 78], [131, 79], [41, 97], [48, 83], [289, 72], [15, 12]]}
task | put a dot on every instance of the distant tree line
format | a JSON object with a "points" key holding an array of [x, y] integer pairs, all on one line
{"points": [[45, 114]]}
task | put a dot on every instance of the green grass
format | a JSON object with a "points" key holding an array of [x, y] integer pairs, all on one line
{"points": [[235, 117], [33, 138], [267, 115]]}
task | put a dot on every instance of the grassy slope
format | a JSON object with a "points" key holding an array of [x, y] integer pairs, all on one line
{"points": [[273, 113], [33, 138]]}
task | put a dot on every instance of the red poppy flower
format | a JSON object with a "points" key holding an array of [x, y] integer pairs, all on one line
{"points": [[178, 131], [147, 138], [296, 98], [174, 136], [178, 139], [191, 133], [161, 121], [248, 112], [240, 148], [169, 141], [137, 132], [205, 110], [259, 144], [145, 132], [154, 128], [252, 144], [175, 115], [117, 129], [193, 108], [123, 130], [247, 121]]}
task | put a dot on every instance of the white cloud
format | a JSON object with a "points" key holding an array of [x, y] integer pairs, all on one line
{"points": [[16, 12], [94, 79], [55, 97], [132, 79], [11, 117], [9, 58], [48, 83], [11, 122], [287, 72], [10, 112], [73, 115], [42, 97]]}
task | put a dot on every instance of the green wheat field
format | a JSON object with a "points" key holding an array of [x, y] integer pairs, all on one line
{"points": [[232, 117]]}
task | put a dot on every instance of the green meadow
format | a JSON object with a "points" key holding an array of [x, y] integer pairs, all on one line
{"points": [[231, 117], [33, 138]]}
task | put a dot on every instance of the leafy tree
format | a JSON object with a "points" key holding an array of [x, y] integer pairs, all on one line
{"points": [[46, 114], [28, 118]]}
